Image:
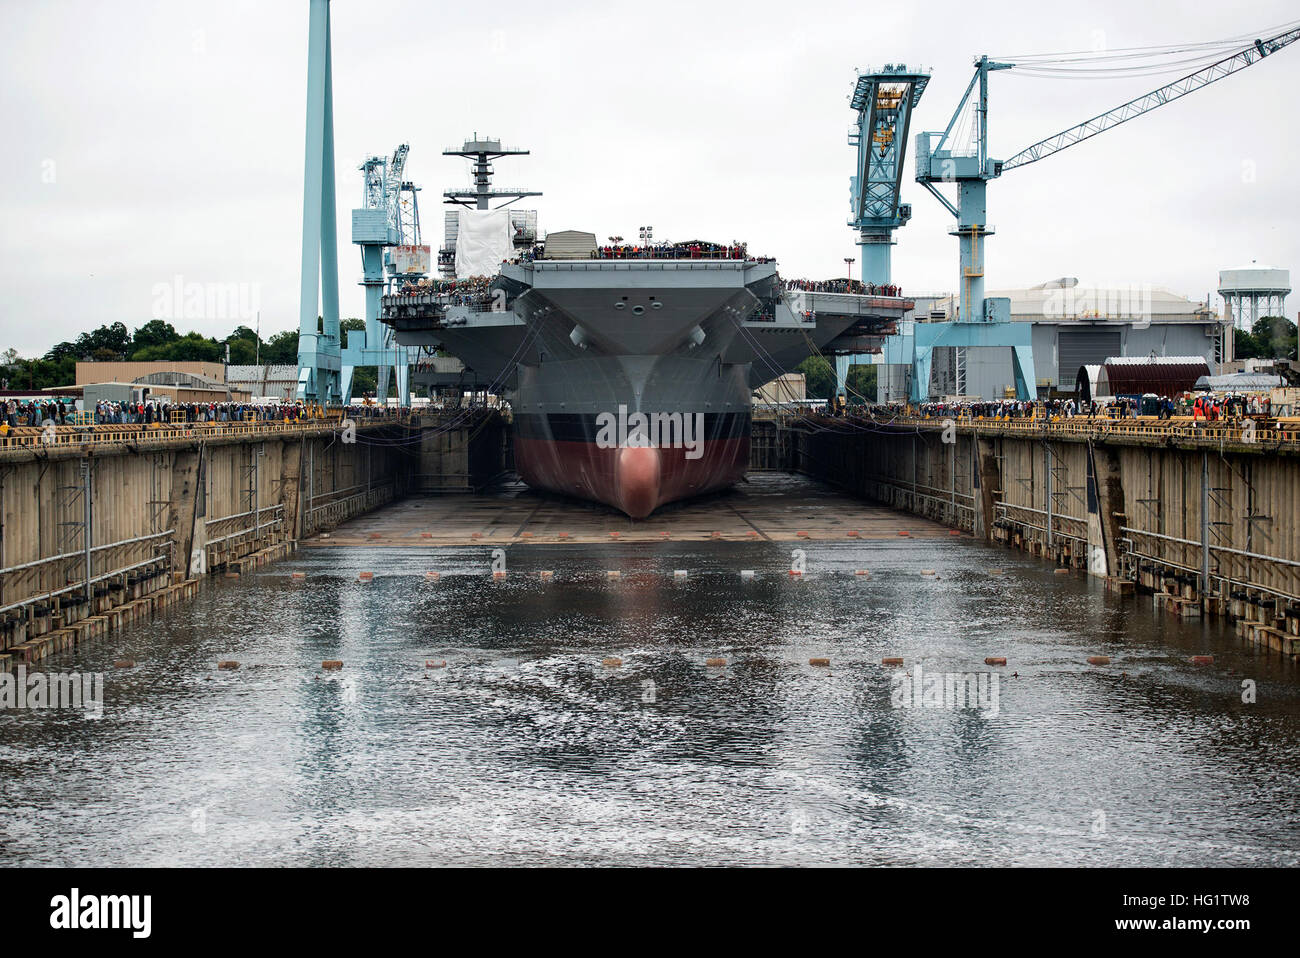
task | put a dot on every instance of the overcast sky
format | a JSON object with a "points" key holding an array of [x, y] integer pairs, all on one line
{"points": [[145, 141]]}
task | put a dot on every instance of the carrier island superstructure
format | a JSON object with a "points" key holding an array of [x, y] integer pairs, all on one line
{"points": [[629, 372]]}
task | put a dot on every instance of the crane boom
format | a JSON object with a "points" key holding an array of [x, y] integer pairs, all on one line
{"points": [[1156, 98]]}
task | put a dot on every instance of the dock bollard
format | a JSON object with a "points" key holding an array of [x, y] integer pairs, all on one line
{"points": [[331, 665]]}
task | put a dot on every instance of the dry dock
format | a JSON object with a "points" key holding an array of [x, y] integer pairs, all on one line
{"points": [[770, 507]]}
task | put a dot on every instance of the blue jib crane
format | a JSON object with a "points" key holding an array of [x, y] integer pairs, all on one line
{"points": [[884, 102], [942, 157]]}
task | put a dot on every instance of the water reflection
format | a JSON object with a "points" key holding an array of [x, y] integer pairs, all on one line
{"points": [[525, 749]]}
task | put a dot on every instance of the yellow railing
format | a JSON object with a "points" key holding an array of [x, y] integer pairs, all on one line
{"points": [[1245, 431], [107, 433]]}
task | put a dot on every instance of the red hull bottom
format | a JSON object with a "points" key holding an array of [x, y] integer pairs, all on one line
{"points": [[636, 480]]}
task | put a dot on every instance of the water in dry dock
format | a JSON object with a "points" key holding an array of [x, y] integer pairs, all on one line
{"points": [[525, 749]]}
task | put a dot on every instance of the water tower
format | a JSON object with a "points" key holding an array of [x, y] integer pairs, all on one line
{"points": [[1252, 292]]}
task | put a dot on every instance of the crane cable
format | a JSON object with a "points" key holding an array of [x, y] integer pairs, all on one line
{"points": [[1126, 53]]}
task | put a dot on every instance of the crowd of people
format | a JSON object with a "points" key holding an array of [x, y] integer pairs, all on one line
{"points": [[28, 413], [34, 412], [1209, 407], [474, 291], [151, 411], [693, 250], [842, 286]]}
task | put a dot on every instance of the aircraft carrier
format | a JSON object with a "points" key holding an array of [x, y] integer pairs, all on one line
{"points": [[629, 369]]}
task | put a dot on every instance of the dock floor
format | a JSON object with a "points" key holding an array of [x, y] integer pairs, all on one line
{"points": [[777, 507]]}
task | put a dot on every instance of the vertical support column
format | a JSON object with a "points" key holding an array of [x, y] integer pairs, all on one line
{"points": [[952, 478], [1205, 525], [88, 515], [916, 503], [1047, 465], [318, 347], [990, 483], [842, 364]]}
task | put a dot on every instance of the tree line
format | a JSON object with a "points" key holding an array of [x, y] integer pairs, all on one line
{"points": [[155, 341], [1272, 337]]}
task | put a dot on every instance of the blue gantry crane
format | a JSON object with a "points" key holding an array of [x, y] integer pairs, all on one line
{"points": [[387, 228], [884, 102], [947, 157]]}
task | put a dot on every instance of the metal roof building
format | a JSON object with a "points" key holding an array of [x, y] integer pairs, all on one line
{"points": [[1076, 325]]}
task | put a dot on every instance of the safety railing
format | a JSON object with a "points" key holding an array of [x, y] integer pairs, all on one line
{"points": [[33, 437], [1240, 431]]}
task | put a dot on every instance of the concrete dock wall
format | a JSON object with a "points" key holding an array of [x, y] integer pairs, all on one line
{"points": [[1206, 527], [91, 528]]}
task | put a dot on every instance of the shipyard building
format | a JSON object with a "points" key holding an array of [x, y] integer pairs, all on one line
{"points": [[1073, 326]]}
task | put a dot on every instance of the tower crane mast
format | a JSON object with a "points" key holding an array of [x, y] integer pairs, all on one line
{"points": [[884, 101]]}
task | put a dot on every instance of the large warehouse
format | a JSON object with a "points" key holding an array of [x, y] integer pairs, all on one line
{"points": [[1073, 326]]}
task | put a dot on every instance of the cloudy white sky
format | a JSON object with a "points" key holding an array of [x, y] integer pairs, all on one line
{"points": [[152, 139]]}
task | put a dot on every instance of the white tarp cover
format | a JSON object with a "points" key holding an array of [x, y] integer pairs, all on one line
{"points": [[484, 241]]}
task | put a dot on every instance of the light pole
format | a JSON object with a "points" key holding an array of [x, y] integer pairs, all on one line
{"points": [[647, 234], [848, 263]]}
